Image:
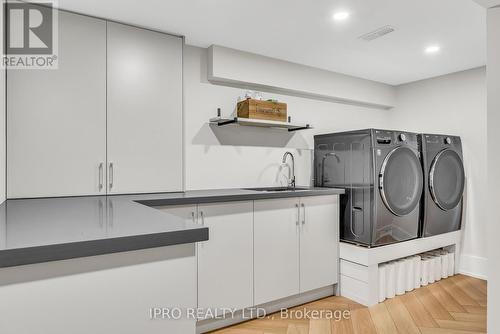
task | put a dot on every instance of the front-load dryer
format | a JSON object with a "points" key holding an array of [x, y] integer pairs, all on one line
{"points": [[444, 181], [381, 173]]}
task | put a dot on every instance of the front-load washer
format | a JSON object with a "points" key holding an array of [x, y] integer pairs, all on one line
{"points": [[444, 183], [381, 173]]}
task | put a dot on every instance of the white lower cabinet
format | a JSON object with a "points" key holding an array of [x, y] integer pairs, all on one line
{"points": [[225, 261], [111, 293], [264, 250], [276, 250], [319, 242], [296, 246]]}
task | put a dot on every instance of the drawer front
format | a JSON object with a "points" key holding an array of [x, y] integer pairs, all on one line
{"points": [[354, 270]]}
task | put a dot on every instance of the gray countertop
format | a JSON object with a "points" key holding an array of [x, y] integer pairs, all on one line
{"points": [[49, 229]]}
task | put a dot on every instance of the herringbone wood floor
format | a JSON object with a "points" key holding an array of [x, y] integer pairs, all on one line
{"points": [[456, 305]]}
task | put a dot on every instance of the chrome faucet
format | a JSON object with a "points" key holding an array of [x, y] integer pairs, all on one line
{"points": [[291, 182]]}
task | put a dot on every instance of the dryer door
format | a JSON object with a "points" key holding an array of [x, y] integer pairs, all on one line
{"points": [[401, 181], [447, 179]]}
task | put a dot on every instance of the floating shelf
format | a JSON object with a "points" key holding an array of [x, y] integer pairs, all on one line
{"points": [[220, 121]]}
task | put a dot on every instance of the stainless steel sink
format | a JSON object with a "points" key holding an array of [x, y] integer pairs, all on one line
{"points": [[272, 189]]}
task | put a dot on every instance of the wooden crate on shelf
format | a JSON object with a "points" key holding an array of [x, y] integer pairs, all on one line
{"points": [[267, 110]]}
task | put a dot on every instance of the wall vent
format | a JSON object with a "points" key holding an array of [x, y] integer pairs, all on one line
{"points": [[377, 33]]}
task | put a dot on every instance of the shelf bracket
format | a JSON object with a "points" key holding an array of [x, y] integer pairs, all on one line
{"points": [[229, 121], [299, 128]]}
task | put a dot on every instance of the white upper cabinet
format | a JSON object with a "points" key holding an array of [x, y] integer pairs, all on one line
{"points": [[108, 120], [56, 119], [144, 90], [319, 241]]}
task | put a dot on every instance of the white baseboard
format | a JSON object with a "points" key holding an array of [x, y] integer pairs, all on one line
{"points": [[474, 266]]}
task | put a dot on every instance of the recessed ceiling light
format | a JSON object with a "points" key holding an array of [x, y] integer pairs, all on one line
{"points": [[341, 16], [432, 49]]}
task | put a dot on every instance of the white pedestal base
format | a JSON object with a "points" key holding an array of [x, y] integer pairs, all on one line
{"points": [[359, 265]]}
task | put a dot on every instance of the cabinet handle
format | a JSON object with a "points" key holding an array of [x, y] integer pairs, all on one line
{"points": [[111, 176], [202, 215], [298, 214], [192, 216], [100, 176], [303, 213]]}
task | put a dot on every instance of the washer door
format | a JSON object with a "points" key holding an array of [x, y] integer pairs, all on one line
{"points": [[447, 179], [401, 181]]}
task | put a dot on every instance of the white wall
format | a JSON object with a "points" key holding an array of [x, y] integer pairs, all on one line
{"points": [[456, 104], [233, 156], [493, 168]]}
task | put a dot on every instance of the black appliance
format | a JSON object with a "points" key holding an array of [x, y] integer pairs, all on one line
{"points": [[382, 174], [444, 180]]}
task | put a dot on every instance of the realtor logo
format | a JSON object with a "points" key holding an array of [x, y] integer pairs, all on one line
{"points": [[31, 35]]}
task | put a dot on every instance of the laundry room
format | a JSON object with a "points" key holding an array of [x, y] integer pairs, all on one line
{"points": [[249, 168]]}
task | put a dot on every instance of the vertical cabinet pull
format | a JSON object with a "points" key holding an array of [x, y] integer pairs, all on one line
{"points": [[202, 216], [192, 216], [111, 176], [298, 214], [303, 213], [101, 176]]}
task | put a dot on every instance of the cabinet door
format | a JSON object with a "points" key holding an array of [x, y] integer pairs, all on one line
{"points": [[114, 292], [56, 119], [319, 242], [144, 111], [225, 261], [276, 249]]}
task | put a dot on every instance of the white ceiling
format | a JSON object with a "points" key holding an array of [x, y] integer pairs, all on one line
{"points": [[303, 31]]}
